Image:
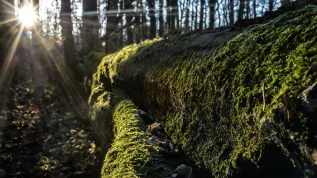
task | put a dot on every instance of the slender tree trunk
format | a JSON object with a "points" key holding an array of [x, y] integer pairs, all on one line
{"points": [[129, 21], [169, 15], [212, 6], [196, 15], [254, 8], [201, 18], [69, 45], [187, 20], [231, 12], [193, 15], [112, 22], [271, 2], [144, 25], [285, 2], [137, 24], [152, 18], [174, 17], [248, 9], [161, 19], [241, 9], [90, 28]]}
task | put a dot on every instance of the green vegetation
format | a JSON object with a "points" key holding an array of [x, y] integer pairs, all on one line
{"points": [[207, 90]]}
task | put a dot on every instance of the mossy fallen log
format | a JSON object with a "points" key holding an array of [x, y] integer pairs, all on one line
{"points": [[129, 155], [230, 98]]}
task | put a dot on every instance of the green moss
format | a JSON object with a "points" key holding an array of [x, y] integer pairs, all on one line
{"points": [[130, 155], [207, 91]]}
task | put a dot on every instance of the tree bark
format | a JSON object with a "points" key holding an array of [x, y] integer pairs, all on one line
{"points": [[201, 18], [112, 22], [247, 4], [68, 39], [128, 5], [212, 6], [254, 9], [174, 17], [285, 2], [161, 19], [138, 24], [271, 5], [231, 12], [151, 4], [90, 28], [241, 9]]}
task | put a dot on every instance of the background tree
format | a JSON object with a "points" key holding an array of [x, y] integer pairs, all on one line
{"points": [[151, 4], [241, 9], [231, 12], [212, 11], [112, 22], [68, 39], [90, 28]]}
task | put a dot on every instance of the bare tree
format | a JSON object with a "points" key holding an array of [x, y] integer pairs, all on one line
{"points": [[212, 6], [201, 18], [254, 8], [271, 3], [231, 12], [69, 45], [90, 28], [112, 22], [247, 4], [174, 18], [151, 4], [285, 2], [161, 19], [241, 9], [138, 23], [128, 5]]}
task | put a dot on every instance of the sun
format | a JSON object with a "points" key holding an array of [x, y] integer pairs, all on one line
{"points": [[27, 16]]}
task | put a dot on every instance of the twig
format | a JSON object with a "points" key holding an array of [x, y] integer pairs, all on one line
{"points": [[263, 94]]}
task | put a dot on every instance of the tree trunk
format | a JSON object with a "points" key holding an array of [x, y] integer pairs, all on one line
{"points": [[248, 9], [174, 17], [254, 9], [128, 5], [152, 18], [271, 3], [169, 15], [90, 28], [161, 19], [138, 24], [111, 36], [68, 42], [285, 2], [212, 6], [201, 18], [231, 12], [241, 9]]}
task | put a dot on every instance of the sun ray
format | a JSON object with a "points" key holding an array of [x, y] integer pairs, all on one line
{"points": [[66, 77], [11, 30], [8, 60], [8, 21], [8, 4]]}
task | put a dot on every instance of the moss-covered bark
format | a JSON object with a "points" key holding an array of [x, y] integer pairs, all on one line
{"points": [[207, 89]]}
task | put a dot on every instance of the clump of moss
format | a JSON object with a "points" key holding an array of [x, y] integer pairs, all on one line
{"points": [[130, 155], [207, 90]]}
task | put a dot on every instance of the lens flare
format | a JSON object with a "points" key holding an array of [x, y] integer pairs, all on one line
{"points": [[27, 16]]}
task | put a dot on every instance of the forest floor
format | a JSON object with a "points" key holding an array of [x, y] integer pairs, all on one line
{"points": [[43, 135]]}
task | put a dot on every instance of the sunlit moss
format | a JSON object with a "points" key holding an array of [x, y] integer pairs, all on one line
{"points": [[207, 90]]}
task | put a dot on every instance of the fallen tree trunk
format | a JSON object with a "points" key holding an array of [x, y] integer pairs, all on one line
{"points": [[229, 99]]}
